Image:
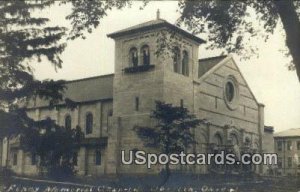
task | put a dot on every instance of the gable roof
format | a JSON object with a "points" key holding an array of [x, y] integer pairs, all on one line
{"points": [[288, 133], [154, 24], [207, 63], [83, 90], [216, 62]]}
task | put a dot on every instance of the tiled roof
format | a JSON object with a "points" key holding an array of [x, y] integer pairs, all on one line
{"points": [[207, 63], [84, 90], [139, 26], [288, 133], [154, 24]]}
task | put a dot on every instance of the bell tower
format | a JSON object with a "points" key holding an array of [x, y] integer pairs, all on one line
{"points": [[142, 76]]}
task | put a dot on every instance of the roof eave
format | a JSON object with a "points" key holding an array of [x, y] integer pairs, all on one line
{"points": [[159, 25]]}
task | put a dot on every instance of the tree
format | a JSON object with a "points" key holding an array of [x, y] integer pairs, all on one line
{"points": [[226, 22], [23, 38], [173, 131], [56, 147], [86, 15], [228, 27]]}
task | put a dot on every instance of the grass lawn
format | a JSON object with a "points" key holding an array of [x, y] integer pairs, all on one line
{"points": [[177, 182]]}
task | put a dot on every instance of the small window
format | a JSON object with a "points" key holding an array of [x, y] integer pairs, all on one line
{"points": [[289, 162], [256, 146], [110, 113], [234, 139], [33, 159], [133, 57], [181, 103], [247, 142], [98, 157], [68, 122], [137, 103], [289, 145], [279, 145], [176, 60], [185, 63], [218, 139], [298, 145], [89, 123], [229, 91], [75, 158], [279, 163], [145, 52], [15, 159]]}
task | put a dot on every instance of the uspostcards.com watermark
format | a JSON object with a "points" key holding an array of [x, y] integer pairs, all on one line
{"points": [[220, 158]]}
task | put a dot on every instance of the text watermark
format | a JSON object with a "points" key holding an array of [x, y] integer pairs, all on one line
{"points": [[221, 158]]}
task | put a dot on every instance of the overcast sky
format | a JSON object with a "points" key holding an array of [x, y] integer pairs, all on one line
{"points": [[267, 76]]}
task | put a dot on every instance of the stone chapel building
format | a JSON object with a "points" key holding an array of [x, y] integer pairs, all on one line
{"points": [[109, 106]]}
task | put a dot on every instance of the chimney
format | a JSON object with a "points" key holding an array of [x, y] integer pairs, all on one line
{"points": [[158, 14]]}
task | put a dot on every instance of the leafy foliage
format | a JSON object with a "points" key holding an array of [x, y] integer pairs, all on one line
{"points": [[24, 38], [228, 25], [54, 145], [173, 130], [86, 15]]}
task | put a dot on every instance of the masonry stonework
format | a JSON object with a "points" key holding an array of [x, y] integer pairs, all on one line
{"points": [[125, 99]]}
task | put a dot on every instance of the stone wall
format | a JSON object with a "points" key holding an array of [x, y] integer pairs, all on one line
{"points": [[146, 86], [210, 103], [101, 110], [268, 147], [204, 97]]}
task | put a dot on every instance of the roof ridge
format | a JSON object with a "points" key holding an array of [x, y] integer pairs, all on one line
{"points": [[215, 57], [89, 78], [292, 132], [288, 129]]}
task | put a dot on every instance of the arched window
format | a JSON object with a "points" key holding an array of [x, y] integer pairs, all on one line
{"points": [[15, 159], [256, 145], [229, 91], [145, 52], [176, 59], [234, 139], [68, 122], [133, 57], [75, 158], [218, 139], [247, 142], [89, 123], [98, 157], [185, 63]]}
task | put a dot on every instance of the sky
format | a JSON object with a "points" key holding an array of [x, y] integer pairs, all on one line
{"points": [[268, 76]]}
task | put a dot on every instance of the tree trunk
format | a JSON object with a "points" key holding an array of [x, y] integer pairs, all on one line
{"points": [[291, 25], [166, 175]]}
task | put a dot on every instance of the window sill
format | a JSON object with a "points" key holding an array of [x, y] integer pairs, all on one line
{"points": [[139, 68]]}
